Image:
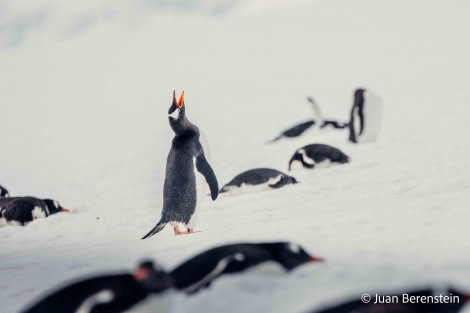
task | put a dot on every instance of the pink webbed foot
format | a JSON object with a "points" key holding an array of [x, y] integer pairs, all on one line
{"points": [[185, 232]]}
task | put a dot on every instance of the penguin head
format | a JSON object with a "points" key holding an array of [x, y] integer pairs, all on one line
{"points": [[291, 255], [152, 278], [359, 96], [4, 192], [54, 206], [176, 114]]}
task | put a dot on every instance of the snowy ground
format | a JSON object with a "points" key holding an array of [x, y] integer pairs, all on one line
{"points": [[84, 121]]}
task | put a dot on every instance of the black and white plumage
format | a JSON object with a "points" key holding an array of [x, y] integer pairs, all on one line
{"points": [[4, 192], [402, 304], [201, 270], [299, 129], [23, 210], [187, 174], [317, 156], [105, 294], [366, 116], [258, 179]]}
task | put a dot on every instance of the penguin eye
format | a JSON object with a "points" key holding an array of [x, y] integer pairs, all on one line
{"points": [[175, 113], [294, 248]]}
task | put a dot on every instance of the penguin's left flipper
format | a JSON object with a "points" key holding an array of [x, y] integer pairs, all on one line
{"points": [[205, 169]]}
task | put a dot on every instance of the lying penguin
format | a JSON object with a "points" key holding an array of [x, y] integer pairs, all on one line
{"points": [[187, 175], [21, 211], [202, 269], [366, 116], [419, 301], [317, 156], [4, 192], [258, 179], [301, 128], [108, 293]]}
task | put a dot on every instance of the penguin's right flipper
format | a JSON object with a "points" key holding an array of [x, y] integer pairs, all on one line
{"points": [[160, 225], [205, 169]]}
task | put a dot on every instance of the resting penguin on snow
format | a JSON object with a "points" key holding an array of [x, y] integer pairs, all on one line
{"points": [[301, 128], [317, 156], [201, 270], [257, 179], [105, 294], [187, 174], [366, 116], [3, 192], [23, 210]]}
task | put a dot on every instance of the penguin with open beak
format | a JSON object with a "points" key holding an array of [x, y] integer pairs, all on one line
{"points": [[188, 173]]}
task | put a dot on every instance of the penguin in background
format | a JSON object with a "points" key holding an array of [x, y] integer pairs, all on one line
{"points": [[187, 174], [257, 179], [366, 116], [21, 211], [4, 192], [317, 156], [299, 129], [106, 293]]}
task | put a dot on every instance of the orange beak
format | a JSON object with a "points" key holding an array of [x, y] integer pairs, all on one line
{"points": [[181, 101], [65, 210], [315, 259], [141, 273]]}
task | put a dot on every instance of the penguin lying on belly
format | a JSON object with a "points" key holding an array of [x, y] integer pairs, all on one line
{"points": [[201, 270], [317, 156], [187, 174], [117, 293], [258, 179], [23, 210], [301, 128], [4, 192], [105, 294]]}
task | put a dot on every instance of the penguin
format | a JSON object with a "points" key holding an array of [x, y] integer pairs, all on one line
{"points": [[366, 116], [317, 156], [107, 293], [4, 192], [201, 270], [187, 174], [257, 179], [20, 211], [301, 128], [402, 303]]}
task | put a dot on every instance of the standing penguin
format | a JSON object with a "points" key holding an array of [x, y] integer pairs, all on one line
{"points": [[187, 174], [366, 116], [317, 155], [3, 192]]}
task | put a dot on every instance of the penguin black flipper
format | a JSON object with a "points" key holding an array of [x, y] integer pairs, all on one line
{"points": [[206, 170], [160, 225]]}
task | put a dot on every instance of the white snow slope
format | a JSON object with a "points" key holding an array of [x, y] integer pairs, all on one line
{"points": [[84, 121]]}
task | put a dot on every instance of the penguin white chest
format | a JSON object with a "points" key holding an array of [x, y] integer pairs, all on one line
{"points": [[201, 192]]}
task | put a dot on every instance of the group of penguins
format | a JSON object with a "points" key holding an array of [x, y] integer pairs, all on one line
{"points": [[188, 174]]}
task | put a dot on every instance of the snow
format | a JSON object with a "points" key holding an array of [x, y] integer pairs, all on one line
{"points": [[85, 123]]}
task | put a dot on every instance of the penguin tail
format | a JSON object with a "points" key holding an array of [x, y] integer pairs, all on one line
{"points": [[160, 225]]}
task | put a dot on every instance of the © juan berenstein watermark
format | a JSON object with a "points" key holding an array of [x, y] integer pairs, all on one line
{"points": [[407, 298]]}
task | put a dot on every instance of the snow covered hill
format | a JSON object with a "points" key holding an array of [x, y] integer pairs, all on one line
{"points": [[84, 121]]}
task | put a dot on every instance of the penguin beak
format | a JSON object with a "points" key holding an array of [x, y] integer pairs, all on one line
{"points": [[315, 259], [181, 101], [141, 273], [65, 210]]}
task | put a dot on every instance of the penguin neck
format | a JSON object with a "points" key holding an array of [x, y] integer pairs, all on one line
{"points": [[183, 127], [357, 105]]}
